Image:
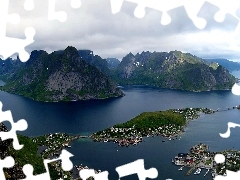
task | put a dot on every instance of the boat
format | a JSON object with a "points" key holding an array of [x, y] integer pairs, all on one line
{"points": [[206, 172], [67, 145], [198, 171], [181, 168]]}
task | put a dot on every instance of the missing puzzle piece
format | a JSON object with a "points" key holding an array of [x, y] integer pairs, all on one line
{"points": [[137, 167], [20, 125], [230, 175], [9, 45], [66, 166], [8, 162]]}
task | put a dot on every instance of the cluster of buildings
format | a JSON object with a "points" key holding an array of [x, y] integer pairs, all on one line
{"points": [[126, 136], [53, 143], [232, 162], [200, 158], [133, 136], [81, 167]]}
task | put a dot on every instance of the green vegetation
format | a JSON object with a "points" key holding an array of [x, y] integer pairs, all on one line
{"points": [[154, 119], [168, 123], [200, 157], [27, 155], [54, 142], [60, 76], [175, 70]]}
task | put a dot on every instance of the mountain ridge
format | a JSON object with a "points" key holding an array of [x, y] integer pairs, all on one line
{"points": [[56, 73], [229, 65], [174, 70], [60, 77]]}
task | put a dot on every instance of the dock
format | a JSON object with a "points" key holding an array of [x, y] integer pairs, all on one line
{"points": [[190, 170], [206, 172]]}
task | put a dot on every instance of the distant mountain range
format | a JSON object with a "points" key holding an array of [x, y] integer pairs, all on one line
{"points": [[113, 63], [175, 70], [59, 76], [229, 65], [73, 74]]}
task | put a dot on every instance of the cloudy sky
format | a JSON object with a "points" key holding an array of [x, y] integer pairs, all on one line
{"points": [[93, 26]]}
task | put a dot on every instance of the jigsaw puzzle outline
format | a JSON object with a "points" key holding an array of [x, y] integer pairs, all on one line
{"points": [[136, 167], [8, 162], [191, 7]]}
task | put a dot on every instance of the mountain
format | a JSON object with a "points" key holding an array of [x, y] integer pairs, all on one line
{"points": [[9, 66], [174, 69], [112, 63], [60, 76], [95, 60], [229, 65]]}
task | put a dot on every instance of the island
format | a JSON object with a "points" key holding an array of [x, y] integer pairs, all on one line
{"points": [[169, 123]]}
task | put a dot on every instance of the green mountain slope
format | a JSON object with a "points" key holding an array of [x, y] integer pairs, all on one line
{"points": [[229, 65], [61, 76], [174, 70]]}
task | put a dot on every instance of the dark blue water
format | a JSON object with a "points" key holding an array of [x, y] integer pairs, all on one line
{"points": [[93, 115]]}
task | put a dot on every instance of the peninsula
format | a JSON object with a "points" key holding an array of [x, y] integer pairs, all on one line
{"points": [[170, 123]]}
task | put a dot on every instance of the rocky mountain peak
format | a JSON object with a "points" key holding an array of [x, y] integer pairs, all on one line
{"points": [[70, 52]]}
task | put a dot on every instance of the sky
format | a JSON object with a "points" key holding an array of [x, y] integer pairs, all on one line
{"points": [[93, 26]]}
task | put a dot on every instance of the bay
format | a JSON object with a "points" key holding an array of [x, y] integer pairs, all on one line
{"points": [[85, 117]]}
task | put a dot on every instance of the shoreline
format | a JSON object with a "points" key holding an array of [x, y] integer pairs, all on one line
{"points": [[132, 136], [199, 157]]}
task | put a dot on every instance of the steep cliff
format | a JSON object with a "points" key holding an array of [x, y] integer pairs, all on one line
{"points": [[174, 70], [60, 76]]}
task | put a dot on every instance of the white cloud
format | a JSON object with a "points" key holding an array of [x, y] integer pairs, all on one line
{"points": [[94, 27]]}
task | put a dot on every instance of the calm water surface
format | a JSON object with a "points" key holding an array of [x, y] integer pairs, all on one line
{"points": [[93, 115]]}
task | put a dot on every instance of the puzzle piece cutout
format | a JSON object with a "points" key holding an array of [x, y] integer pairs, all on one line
{"points": [[29, 5], [228, 132], [137, 167], [236, 89], [230, 175], [5, 163], [8, 45], [226, 7], [61, 15], [66, 166], [20, 125], [220, 158], [192, 8]]}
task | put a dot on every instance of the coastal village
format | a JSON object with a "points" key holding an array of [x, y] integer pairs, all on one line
{"points": [[197, 159], [50, 146], [125, 136], [200, 158]]}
